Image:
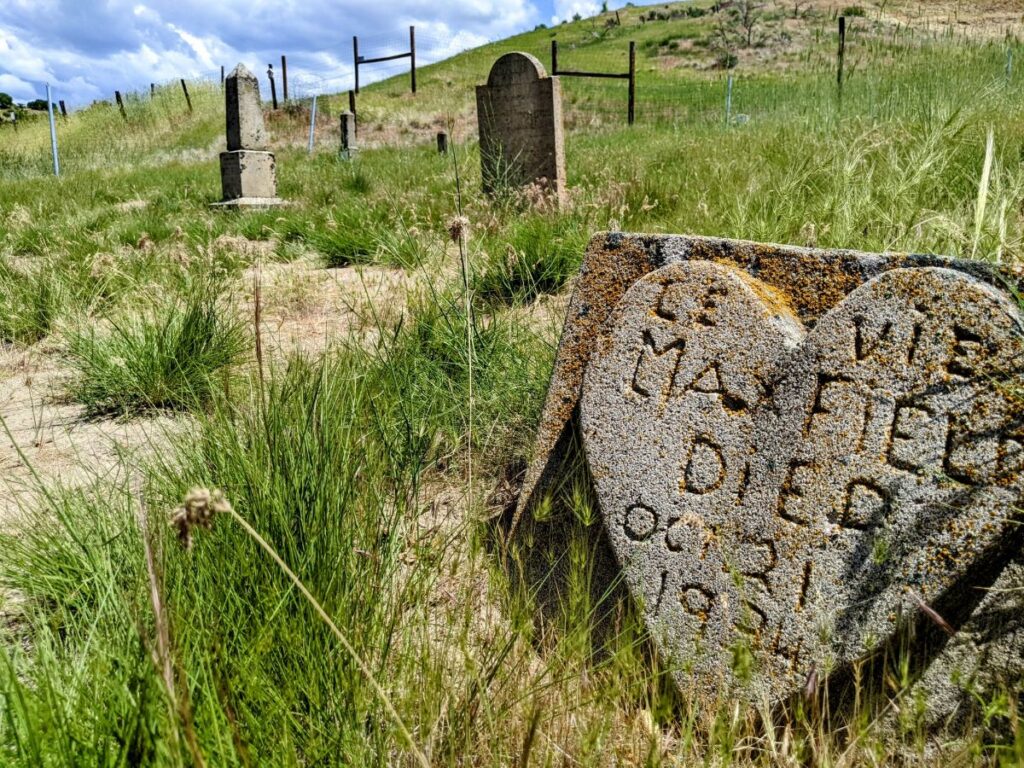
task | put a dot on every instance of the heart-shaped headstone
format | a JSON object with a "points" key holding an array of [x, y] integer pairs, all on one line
{"points": [[795, 491]]}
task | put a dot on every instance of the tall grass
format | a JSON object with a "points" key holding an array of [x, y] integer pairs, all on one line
{"points": [[29, 302], [353, 467], [167, 357]]}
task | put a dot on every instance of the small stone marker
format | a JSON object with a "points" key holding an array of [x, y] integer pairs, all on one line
{"points": [[519, 113], [348, 134], [248, 171], [794, 450]]}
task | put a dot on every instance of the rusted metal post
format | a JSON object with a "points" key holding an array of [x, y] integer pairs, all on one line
{"points": [[355, 58], [412, 55], [841, 54], [632, 81]]}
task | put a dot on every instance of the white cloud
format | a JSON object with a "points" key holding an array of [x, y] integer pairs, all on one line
{"points": [[17, 88], [566, 9], [198, 46], [88, 48]]}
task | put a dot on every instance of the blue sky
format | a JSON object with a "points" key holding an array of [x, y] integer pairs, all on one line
{"points": [[88, 48]]}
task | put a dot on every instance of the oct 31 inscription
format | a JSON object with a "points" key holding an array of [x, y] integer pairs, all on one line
{"points": [[794, 488]]}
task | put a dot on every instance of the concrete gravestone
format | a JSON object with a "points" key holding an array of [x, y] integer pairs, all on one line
{"points": [[794, 450], [248, 171], [519, 113]]}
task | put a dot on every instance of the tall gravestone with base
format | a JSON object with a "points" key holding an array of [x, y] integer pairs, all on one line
{"points": [[519, 113], [814, 456], [247, 169]]}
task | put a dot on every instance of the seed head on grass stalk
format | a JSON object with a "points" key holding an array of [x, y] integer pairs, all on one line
{"points": [[197, 511]]}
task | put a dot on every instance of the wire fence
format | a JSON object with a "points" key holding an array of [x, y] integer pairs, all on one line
{"points": [[905, 73]]}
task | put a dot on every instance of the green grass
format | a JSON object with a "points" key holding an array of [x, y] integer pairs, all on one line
{"points": [[369, 469], [169, 356], [531, 257], [29, 298]]}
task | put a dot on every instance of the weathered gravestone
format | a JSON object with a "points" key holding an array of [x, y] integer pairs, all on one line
{"points": [[801, 453], [519, 114], [247, 169]]}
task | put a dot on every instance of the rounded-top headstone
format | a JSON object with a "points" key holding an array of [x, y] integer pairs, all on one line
{"points": [[514, 68]]}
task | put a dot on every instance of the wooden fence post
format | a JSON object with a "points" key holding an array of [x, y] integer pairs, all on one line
{"points": [[284, 76], [554, 57], [63, 110], [188, 100], [273, 86], [632, 81], [412, 55], [120, 104]]}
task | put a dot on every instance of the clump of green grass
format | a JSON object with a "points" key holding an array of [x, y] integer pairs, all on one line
{"points": [[536, 255], [30, 300], [166, 357]]}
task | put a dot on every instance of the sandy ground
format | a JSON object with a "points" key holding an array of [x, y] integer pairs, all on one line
{"points": [[54, 440], [305, 309]]}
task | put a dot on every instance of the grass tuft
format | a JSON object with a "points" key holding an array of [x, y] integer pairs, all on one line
{"points": [[164, 358], [30, 300], [537, 255]]}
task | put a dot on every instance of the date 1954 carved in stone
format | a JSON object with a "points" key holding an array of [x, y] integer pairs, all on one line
{"points": [[796, 488]]}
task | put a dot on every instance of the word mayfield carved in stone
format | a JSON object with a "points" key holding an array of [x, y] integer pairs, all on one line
{"points": [[247, 169], [519, 113], [796, 450]]}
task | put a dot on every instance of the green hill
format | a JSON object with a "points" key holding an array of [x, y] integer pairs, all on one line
{"points": [[684, 53]]}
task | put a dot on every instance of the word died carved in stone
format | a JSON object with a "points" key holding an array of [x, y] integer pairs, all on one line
{"points": [[798, 490]]}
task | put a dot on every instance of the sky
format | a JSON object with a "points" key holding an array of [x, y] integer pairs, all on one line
{"points": [[87, 49]]}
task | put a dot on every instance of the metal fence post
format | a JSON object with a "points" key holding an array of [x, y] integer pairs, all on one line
{"points": [[53, 133], [312, 124], [412, 55], [728, 101]]}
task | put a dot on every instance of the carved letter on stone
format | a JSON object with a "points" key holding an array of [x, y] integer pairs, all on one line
{"points": [[791, 488]]}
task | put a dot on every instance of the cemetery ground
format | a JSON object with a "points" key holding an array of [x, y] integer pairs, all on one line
{"points": [[361, 373]]}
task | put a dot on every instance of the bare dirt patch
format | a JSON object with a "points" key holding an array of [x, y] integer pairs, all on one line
{"points": [[307, 308], [52, 438]]}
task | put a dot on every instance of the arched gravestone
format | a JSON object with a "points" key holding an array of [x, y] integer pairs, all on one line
{"points": [[794, 450], [519, 114]]}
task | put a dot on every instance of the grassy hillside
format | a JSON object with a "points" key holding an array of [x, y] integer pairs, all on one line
{"points": [[373, 454]]}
